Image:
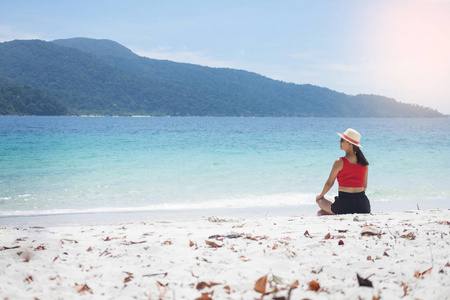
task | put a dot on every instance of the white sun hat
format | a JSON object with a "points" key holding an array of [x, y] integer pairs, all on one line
{"points": [[352, 136]]}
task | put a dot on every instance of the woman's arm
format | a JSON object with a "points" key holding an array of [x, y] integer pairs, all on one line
{"points": [[337, 166], [366, 178]]}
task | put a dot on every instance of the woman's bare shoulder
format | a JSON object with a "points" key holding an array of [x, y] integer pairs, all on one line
{"points": [[338, 163]]}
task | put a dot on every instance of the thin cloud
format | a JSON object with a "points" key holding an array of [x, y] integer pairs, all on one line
{"points": [[202, 58], [8, 33], [292, 73]]}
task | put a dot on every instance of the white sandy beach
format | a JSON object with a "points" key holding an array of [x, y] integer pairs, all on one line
{"points": [[403, 255]]}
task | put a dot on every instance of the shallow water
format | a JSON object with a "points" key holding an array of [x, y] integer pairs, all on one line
{"points": [[53, 165]]}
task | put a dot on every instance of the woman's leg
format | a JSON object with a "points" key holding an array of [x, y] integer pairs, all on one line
{"points": [[325, 205]]}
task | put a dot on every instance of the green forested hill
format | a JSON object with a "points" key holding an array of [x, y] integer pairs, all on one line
{"points": [[80, 80], [102, 77], [25, 100]]}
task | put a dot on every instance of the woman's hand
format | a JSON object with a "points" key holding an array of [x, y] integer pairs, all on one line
{"points": [[337, 166]]}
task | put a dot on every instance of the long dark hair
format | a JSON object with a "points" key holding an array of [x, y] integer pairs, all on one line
{"points": [[360, 158]]}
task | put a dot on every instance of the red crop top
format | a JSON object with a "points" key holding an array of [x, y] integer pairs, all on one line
{"points": [[351, 175]]}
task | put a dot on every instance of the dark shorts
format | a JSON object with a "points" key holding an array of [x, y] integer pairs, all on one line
{"points": [[351, 203]]}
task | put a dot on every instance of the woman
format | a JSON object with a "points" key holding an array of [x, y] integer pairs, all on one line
{"points": [[351, 172]]}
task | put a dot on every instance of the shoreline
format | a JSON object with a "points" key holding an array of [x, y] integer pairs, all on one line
{"points": [[404, 255], [103, 218]]}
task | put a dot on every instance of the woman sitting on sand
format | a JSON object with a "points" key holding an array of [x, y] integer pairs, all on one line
{"points": [[351, 172]]}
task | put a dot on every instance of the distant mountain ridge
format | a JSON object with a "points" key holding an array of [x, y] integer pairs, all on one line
{"points": [[97, 47], [89, 76]]}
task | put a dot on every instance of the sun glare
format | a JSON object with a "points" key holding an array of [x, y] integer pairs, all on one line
{"points": [[412, 46]]}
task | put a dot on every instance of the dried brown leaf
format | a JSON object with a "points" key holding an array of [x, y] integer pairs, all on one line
{"points": [[404, 286], [89, 249], [29, 279], [8, 248], [292, 253], [260, 285], [203, 259], [370, 230], [405, 289], [314, 286], [213, 244], [444, 222], [82, 288], [128, 278], [341, 243], [257, 238], [410, 236], [106, 252], [417, 274], [202, 285], [133, 243], [307, 234], [162, 288], [228, 289], [327, 236], [192, 273], [244, 258], [364, 281], [427, 271], [206, 296]]}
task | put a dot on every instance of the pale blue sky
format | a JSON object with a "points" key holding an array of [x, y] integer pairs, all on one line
{"points": [[395, 48]]}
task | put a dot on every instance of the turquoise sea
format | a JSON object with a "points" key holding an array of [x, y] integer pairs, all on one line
{"points": [[72, 165]]}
